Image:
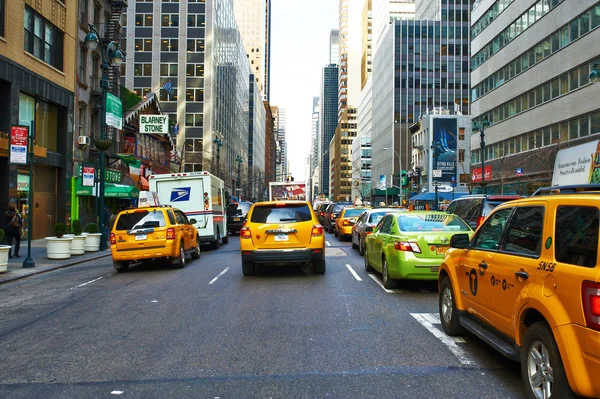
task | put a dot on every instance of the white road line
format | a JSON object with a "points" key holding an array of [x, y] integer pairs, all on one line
{"points": [[328, 244], [432, 318], [356, 276], [220, 274], [379, 283], [89, 282], [462, 357]]}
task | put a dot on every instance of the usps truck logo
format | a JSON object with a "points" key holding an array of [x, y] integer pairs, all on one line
{"points": [[180, 194]]}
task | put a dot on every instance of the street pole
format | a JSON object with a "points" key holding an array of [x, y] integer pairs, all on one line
{"points": [[434, 156], [28, 262], [481, 129]]}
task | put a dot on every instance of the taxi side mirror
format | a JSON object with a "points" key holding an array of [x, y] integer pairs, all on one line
{"points": [[192, 221], [460, 241], [369, 229]]}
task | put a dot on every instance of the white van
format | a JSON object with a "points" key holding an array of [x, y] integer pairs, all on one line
{"points": [[200, 196]]}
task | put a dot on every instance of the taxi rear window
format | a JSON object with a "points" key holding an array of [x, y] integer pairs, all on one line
{"points": [[289, 213], [436, 222], [353, 212], [140, 219]]}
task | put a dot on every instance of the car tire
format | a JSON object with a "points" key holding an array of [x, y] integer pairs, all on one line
{"points": [[216, 244], [335, 233], [196, 253], [248, 268], [539, 342], [388, 282], [368, 267], [179, 261], [225, 240], [448, 310], [121, 266], [319, 266], [361, 247]]}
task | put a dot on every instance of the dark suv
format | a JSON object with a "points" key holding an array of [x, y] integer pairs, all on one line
{"points": [[236, 216], [332, 212], [473, 209]]}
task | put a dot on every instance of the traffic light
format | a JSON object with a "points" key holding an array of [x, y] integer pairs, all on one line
{"points": [[404, 178]]}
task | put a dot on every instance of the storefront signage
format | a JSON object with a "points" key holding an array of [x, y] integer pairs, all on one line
{"points": [[18, 144], [22, 182], [157, 124], [114, 111], [577, 165], [476, 174], [110, 175], [88, 176]]}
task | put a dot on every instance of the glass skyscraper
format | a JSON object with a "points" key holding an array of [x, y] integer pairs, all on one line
{"points": [[329, 120]]}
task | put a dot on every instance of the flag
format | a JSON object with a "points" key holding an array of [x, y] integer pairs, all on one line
{"points": [[168, 87]]}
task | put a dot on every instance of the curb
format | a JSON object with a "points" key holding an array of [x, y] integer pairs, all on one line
{"points": [[51, 268]]}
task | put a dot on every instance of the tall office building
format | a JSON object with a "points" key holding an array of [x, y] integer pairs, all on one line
{"points": [[256, 142], [251, 17], [267, 69], [282, 143], [419, 65], [361, 145], [386, 11], [530, 70], [350, 12], [314, 139], [334, 46], [197, 47], [329, 121], [341, 159], [366, 61]]}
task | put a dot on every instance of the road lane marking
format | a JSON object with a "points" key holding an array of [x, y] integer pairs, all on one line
{"points": [[220, 274], [379, 283], [328, 244], [424, 320], [89, 282], [356, 276], [116, 392]]}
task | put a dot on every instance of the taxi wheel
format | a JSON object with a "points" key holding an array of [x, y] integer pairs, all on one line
{"points": [[179, 262], [448, 310], [121, 266], [388, 282], [196, 253], [368, 266], [542, 369], [319, 266], [248, 268]]}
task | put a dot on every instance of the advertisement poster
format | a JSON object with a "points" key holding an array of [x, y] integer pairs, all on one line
{"points": [[577, 165], [444, 137], [18, 144], [88, 174], [476, 174]]}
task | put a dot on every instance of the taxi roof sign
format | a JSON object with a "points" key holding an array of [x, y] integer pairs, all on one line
{"points": [[147, 199]]}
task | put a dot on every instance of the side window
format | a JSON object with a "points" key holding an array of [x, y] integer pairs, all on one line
{"points": [[381, 223], [179, 218], [387, 224], [184, 218], [576, 240], [451, 207], [171, 216], [525, 231], [470, 211], [489, 234]]}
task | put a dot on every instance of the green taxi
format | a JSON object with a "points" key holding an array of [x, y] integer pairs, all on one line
{"points": [[411, 245]]}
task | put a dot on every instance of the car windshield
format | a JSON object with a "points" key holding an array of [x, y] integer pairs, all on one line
{"points": [[353, 212], [140, 219], [338, 207], [288, 213], [238, 209], [431, 222]]}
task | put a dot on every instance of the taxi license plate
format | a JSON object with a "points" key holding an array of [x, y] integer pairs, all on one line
{"points": [[236, 219], [441, 250], [140, 237], [281, 237]]}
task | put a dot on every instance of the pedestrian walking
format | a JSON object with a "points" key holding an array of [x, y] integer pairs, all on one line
{"points": [[13, 222]]}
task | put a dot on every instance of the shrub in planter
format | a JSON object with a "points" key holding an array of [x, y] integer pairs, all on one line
{"points": [[92, 228], [1, 236], [76, 227], [60, 229]]}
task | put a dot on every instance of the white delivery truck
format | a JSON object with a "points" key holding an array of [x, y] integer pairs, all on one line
{"points": [[281, 191], [200, 196]]}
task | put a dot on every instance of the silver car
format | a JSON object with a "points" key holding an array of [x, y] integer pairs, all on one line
{"points": [[366, 222]]}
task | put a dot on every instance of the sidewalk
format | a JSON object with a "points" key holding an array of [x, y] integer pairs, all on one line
{"points": [[42, 263]]}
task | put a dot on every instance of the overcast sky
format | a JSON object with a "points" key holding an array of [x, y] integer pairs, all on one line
{"points": [[299, 51]]}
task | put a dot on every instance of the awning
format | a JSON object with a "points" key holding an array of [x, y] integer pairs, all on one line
{"points": [[111, 190], [442, 196]]}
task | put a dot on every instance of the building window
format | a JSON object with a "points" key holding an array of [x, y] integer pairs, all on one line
{"points": [[195, 45], [83, 12], [141, 91], [82, 118], [194, 70], [97, 11], [143, 19], [169, 45], [167, 70], [461, 133], [170, 20], [143, 45], [95, 69], [142, 69], [42, 39], [196, 20], [461, 155], [164, 96], [194, 94], [83, 65], [2, 14], [193, 120]]}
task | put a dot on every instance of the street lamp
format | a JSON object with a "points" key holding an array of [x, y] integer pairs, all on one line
{"points": [[112, 53], [217, 141], [481, 128], [595, 74], [434, 156], [238, 159]]}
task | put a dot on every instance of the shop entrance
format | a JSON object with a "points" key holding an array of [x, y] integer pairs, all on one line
{"points": [[44, 199]]}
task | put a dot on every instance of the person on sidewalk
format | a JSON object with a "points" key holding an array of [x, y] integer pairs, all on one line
{"points": [[13, 222]]}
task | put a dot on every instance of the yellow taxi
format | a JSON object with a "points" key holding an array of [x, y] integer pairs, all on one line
{"points": [[281, 233], [152, 233], [528, 284], [347, 220]]}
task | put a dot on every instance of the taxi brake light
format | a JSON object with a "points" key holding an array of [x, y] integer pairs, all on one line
{"points": [[170, 233], [245, 232], [590, 296], [113, 239], [317, 230], [345, 223], [407, 246]]}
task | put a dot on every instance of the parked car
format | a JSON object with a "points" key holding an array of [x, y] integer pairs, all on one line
{"points": [[157, 232], [365, 223], [344, 223], [236, 215], [411, 245], [281, 233], [332, 212], [528, 284], [473, 209]]}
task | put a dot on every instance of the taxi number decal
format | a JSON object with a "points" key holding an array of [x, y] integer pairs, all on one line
{"points": [[546, 266]]}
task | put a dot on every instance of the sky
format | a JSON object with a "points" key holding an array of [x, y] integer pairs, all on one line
{"points": [[299, 51]]}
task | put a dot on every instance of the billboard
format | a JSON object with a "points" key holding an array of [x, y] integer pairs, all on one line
{"points": [[445, 132], [577, 165]]}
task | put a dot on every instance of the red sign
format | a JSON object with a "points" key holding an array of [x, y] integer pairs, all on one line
{"points": [[476, 174], [18, 144]]}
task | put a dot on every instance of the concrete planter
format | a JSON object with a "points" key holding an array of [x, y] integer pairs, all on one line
{"points": [[92, 242], [58, 248], [4, 251], [78, 246]]}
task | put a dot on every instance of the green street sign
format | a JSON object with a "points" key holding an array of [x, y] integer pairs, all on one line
{"points": [[110, 175], [114, 111]]}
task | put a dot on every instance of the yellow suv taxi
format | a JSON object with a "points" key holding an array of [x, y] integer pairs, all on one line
{"points": [[528, 284], [346, 221], [153, 232], [281, 233]]}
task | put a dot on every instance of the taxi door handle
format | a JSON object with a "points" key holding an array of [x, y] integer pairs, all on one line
{"points": [[483, 265], [522, 274]]}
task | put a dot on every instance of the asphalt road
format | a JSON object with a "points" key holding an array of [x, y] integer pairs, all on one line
{"points": [[206, 331]]}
